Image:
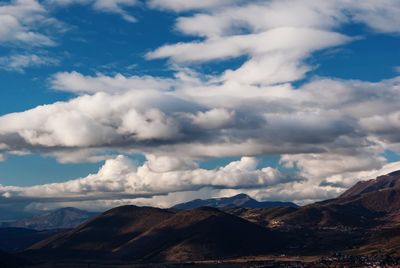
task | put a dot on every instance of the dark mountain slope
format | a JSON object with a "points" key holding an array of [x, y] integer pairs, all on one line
{"points": [[198, 234], [261, 216], [237, 201], [150, 234], [389, 181], [366, 204], [107, 231]]}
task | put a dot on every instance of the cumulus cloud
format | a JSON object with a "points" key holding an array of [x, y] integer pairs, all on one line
{"points": [[21, 21], [215, 118], [121, 178]]}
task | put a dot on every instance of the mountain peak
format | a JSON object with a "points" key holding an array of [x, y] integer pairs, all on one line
{"points": [[241, 196]]}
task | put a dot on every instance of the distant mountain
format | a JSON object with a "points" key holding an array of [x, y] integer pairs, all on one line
{"points": [[237, 201], [63, 218]]}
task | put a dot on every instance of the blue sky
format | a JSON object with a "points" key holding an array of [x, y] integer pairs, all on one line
{"points": [[198, 105]]}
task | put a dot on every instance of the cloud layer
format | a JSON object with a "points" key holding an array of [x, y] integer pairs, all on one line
{"points": [[121, 178], [331, 131]]}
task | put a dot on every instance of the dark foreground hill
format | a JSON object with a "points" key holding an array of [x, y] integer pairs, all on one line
{"points": [[106, 232], [237, 201], [63, 218], [199, 234], [151, 234]]}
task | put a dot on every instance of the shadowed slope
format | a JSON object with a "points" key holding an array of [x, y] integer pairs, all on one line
{"points": [[389, 181], [107, 231], [150, 234], [203, 233]]}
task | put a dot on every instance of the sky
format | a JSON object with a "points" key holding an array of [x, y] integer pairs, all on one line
{"points": [[155, 102]]}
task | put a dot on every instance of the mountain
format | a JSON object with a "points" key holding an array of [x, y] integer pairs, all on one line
{"points": [[151, 234], [106, 232], [200, 234], [237, 201], [367, 204], [63, 218], [389, 181]]}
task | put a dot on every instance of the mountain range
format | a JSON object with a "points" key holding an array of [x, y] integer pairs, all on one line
{"points": [[364, 220], [63, 218], [237, 201]]}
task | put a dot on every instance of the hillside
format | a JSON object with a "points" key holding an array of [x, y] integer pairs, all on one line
{"points": [[137, 233], [367, 204], [106, 232], [389, 181], [198, 234]]}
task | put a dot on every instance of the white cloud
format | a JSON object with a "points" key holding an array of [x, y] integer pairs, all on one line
{"points": [[121, 178], [20, 62], [275, 40], [317, 166], [21, 21], [78, 83], [115, 6], [185, 5], [108, 6], [382, 16], [214, 119]]}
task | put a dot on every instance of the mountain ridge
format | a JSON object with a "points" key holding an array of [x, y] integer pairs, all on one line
{"points": [[236, 201], [62, 218]]}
